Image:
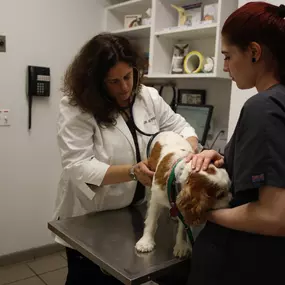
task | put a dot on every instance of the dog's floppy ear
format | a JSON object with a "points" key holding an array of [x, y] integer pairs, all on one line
{"points": [[193, 207], [154, 156], [194, 200]]}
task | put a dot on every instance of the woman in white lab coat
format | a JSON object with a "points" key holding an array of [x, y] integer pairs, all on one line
{"points": [[103, 156]]}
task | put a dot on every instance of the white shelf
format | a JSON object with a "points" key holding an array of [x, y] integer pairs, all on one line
{"points": [[159, 38], [190, 33], [177, 76], [134, 33], [130, 7]]}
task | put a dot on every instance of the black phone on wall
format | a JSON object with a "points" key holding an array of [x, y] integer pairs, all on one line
{"points": [[38, 81], [38, 85]]}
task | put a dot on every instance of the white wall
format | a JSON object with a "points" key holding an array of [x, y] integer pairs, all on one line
{"points": [[47, 33], [238, 97]]}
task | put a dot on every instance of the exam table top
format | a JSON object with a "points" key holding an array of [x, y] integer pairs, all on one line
{"points": [[108, 239]]}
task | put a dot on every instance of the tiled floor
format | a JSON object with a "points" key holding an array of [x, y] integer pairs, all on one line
{"points": [[48, 270]]}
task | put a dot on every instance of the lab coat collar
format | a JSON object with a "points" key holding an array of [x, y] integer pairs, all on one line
{"points": [[121, 125], [124, 129]]}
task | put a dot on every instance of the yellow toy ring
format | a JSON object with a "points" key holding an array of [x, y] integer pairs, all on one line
{"points": [[193, 62]]}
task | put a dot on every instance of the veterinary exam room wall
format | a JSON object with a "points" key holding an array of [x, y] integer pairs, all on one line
{"points": [[238, 97], [46, 33]]}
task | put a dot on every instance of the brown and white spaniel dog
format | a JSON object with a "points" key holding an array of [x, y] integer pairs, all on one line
{"points": [[200, 191]]}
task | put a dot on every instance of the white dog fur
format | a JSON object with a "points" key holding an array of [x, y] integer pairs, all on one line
{"points": [[199, 191]]}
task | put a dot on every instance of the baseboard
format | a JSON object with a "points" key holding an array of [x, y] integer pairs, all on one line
{"points": [[30, 254]]}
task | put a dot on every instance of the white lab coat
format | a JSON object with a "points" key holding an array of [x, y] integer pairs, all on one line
{"points": [[87, 151]]}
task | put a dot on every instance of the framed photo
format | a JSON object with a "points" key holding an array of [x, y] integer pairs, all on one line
{"points": [[132, 21], [191, 96]]}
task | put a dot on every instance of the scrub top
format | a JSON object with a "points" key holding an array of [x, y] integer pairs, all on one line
{"points": [[255, 155]]}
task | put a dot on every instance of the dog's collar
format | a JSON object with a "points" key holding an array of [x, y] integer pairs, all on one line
{"points": [[172, 193]]}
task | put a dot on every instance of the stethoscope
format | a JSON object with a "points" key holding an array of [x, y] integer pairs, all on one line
{"points": [[132, 102], [131, 117]]}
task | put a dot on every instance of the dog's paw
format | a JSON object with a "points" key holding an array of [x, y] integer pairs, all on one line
{"points": [[145, 245], [182, 249]]}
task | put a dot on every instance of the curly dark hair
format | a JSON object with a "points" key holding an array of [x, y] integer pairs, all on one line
{"points": [[84, 78]]}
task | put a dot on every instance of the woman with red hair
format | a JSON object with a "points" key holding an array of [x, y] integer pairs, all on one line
{"points": [[245, 244]]}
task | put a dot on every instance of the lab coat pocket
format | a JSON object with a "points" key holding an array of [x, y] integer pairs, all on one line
{"points": [[118, 196]]}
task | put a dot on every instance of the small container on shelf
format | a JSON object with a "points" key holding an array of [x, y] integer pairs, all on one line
{"points": [[210, 13], [189, 15]]}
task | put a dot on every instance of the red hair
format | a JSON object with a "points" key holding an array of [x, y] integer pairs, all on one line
{"points": [[259, 22]]}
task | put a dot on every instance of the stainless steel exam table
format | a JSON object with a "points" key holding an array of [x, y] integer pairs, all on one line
{"points": [[108, 239]]}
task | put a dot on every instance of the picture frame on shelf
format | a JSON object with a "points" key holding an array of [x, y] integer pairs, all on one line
{"points": [[191, 96], [132, 21]]}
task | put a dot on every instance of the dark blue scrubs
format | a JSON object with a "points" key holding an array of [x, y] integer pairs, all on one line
{"points": [[254, 157]]}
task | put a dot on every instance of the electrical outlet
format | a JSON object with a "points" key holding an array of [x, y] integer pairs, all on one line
{"points": [[5, 117]]}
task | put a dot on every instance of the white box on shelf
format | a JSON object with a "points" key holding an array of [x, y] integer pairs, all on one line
{"points": [[210, 13], [146, 20]]}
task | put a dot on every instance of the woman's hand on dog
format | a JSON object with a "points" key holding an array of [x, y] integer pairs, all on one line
{"points": [[143, 174], [202, 160]]}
